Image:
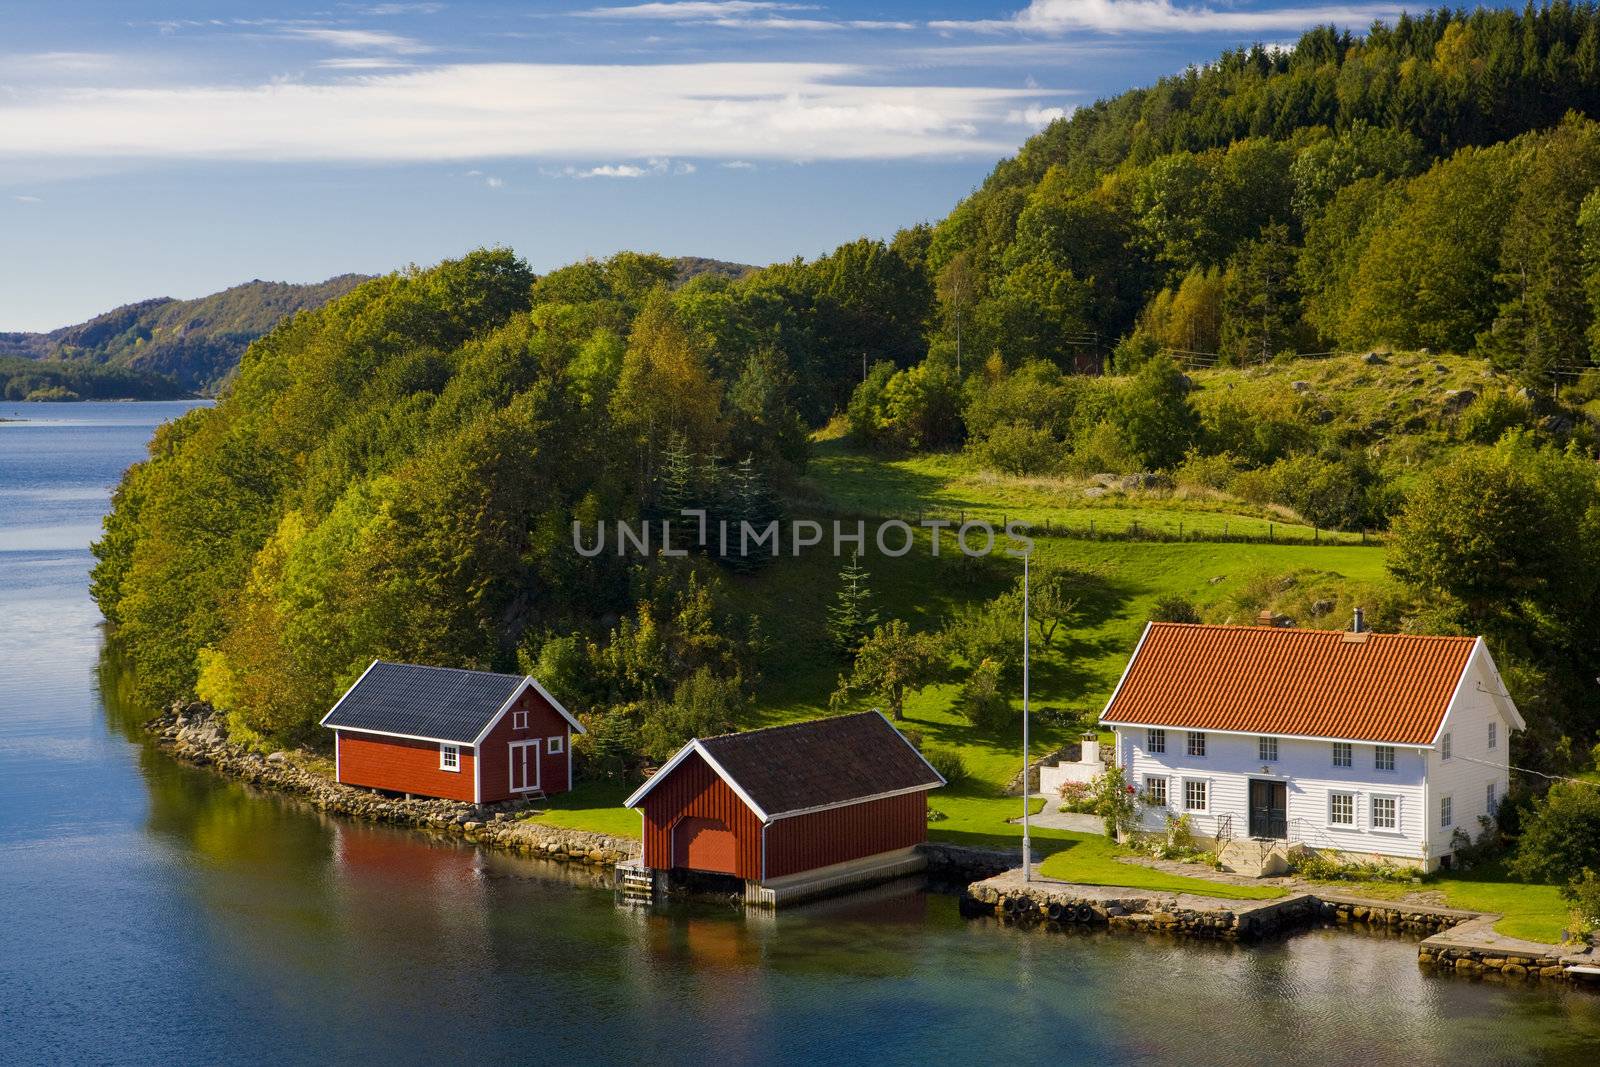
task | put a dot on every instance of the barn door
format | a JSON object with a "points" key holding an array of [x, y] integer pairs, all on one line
{"points": [[705, 845], [524, 766]]}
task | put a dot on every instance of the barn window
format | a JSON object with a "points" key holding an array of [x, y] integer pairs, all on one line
{"points": [[555, 745], [1342, 809], [1155, 740], [1383, 757], [1385, 813], [1343, 753], [449, 757], [519, 719]]}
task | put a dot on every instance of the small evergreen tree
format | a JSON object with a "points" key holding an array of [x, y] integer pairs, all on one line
{"points": [[852, 616]]}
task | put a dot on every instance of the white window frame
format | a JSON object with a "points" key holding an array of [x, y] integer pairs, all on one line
{"points": [[1344, 754], [1491, 797], [1267, 749], [1166, 794], [1444, 749], [554, 746], [1205, 795], [1372, 813], [1447, 812], [1379, 754], [450, 758], [1493, 732], [1335, 794], [1155, 741], [1195, 744], [519, 719]]}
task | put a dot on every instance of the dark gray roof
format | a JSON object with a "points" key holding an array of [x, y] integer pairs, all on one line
{"points": [[821, 762], [440, 703]]}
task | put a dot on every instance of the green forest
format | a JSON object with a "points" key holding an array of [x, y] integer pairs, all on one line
{"points": [[1337, 294], [30, 379]]}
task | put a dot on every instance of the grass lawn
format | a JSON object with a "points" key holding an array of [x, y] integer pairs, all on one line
{"points": [[593, 806], [1532, 912], [1090, 859]]}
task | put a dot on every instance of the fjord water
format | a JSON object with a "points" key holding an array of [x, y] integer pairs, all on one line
{"points": [[154, 913]]}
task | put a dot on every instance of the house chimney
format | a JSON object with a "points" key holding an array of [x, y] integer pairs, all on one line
{"points": [[1359, 623]]}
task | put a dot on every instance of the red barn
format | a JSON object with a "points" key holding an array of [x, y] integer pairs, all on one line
{"points": [[461, 735], [792, 811]]}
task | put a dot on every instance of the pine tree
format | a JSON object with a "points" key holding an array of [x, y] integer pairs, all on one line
{"points": [[852, 617]]}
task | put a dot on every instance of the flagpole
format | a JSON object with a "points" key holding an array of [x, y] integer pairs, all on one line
{"points": [[1027, 849]]}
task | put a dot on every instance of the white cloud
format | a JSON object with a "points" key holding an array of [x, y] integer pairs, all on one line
{"points": [[24, 199], [495, 183], [402, 9], [743, 111], [1037, 117], [739, 15], [362, 63], [686, 10], [1163, 16], [32, 65], [739, 164], [356, 40], [650, 168]]}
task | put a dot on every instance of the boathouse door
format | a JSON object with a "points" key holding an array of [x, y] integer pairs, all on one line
{"points": [[704, 845], [524, 766], [1269, 809]]}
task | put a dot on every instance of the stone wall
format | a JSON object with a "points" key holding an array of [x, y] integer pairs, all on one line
{"points": [[1479, 961], [1128, 909], [198, 735], [961, 863]]}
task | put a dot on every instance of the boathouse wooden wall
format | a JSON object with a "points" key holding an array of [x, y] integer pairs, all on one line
{"points": [[836, 835], [695, 790]]}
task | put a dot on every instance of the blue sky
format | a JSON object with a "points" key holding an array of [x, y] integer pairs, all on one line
{"points": [[175, 148]]}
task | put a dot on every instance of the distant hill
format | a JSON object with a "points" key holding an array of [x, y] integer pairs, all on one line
{"points": [[690, 267], [196, 343]]}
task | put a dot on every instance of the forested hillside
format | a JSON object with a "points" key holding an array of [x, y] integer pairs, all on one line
{"points": [[396, 474], [29, 379], [197, 343]]}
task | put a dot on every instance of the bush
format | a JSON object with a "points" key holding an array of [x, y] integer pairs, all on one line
{"points": [[1487, 419], [1561, 835], [1207, 472], [1174, 608], [1116, 803], [948, 762], [1078, 797], [1017, 448], [1321, 868], [983, 698], [1584, 894]]}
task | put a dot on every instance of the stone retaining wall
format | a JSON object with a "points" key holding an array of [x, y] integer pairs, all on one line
{"points": [[962, 863], [1061, 905], [197, 735], [1478, 961]]}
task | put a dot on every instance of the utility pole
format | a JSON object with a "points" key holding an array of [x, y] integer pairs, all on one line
{"points": [[1027, 849]]}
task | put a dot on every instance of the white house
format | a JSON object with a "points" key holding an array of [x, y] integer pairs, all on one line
{"points": [[1376, 746]]}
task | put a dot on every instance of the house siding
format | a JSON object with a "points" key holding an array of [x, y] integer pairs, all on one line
{"points": [[402, 765], [837, 835], [1462, 778], [693, 789], [544, 722], [1306, 768]]}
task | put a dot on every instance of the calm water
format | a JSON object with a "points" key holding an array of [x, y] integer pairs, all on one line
{"points": [[150, 913]]}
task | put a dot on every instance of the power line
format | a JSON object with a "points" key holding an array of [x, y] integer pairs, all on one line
{"points": [[1529, 770]]}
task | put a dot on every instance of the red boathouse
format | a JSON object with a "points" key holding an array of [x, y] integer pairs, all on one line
{"points": [[462, 735], [792, 811]]}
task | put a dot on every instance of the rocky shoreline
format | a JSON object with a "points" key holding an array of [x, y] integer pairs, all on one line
{"points": [[195, 733]]}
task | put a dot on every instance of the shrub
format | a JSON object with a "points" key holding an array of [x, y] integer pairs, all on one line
{"points": [[1078, 797], [1584, 894], [983, 698], [1561, 835], [1487, 418], [1116, 804], [1321, 868], [1207, 472], [948, 762], [1174, 608], [1017, 448]]}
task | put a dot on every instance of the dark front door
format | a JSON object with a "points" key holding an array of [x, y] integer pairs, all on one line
{"points": [[1269, 808]]}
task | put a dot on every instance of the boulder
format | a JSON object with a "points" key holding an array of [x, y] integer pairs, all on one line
{"points": [[1372, 359]]}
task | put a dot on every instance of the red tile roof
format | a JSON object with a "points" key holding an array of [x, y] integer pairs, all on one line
{"points": [[1390, 688]]}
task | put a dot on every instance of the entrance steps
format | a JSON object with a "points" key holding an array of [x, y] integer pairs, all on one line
{"points": [[1255, 857], [636, 883]]}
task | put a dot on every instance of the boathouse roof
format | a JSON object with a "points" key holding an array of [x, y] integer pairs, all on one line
{"points": [[806, 766]]}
